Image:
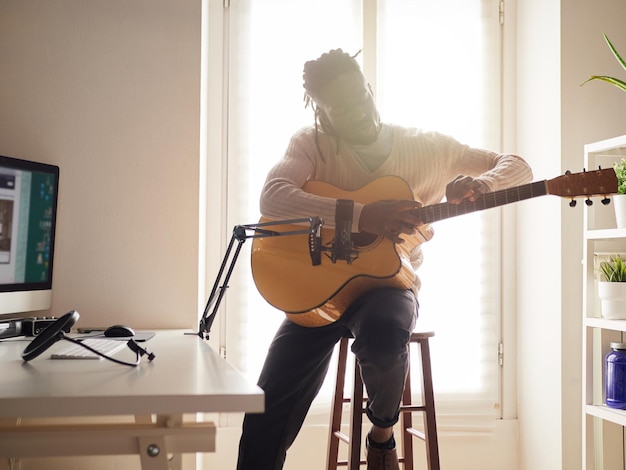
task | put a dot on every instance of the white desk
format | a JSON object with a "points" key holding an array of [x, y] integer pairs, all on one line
{"points": [[186, 376]]}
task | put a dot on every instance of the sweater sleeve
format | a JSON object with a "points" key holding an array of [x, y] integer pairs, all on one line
{"points": [[498, 171], [282, 196]]}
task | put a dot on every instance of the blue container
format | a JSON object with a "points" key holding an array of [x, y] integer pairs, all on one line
{"points": [[616, 376]]}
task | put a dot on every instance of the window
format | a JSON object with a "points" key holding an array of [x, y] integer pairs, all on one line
{"points": [[432, 65]]}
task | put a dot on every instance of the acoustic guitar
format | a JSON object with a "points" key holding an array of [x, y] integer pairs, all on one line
{"points": [[314, 295]]}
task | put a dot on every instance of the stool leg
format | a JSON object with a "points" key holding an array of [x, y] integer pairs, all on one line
{"points": [[356, 412], [407, 421], [430, 423], [335, 421], [356, 420]]}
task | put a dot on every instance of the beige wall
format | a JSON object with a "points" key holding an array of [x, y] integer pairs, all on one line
{"points": [[110, 92], [559, 45]]}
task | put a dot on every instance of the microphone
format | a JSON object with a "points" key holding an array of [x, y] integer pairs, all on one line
{"points": [[342, 247]]}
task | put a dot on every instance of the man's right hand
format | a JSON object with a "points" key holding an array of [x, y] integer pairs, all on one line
{"points": [[390, 218]]}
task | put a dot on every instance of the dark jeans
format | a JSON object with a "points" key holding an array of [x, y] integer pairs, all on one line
{"points": [[297, 362]]}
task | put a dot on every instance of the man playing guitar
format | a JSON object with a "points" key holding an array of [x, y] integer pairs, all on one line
{"points": [[348, 146]]}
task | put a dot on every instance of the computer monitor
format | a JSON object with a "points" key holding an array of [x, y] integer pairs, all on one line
{"points": [[28, 209]]}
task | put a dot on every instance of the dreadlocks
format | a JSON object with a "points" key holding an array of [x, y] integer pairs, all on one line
{"points": [[318, 73]]}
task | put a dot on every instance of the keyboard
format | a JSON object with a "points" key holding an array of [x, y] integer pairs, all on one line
{"points": [[107, 347]]}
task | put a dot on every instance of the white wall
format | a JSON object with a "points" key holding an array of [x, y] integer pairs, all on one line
{"points": [[538, 118], [559, 45], [110, 92]]}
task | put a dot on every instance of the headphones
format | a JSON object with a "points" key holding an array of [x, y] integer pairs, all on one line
{"points": [[55, 332]]}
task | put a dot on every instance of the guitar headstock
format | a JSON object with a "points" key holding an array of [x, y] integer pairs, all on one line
{"points": [[601, 182]]}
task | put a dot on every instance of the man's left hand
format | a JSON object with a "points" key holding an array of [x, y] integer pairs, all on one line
{"points": [[465, 187]]}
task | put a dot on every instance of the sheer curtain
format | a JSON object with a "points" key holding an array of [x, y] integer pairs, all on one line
{"points": [[438, 68], [435, 66]]}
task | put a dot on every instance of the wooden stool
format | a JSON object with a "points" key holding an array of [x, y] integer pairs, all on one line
{"points": [[429, 436]]}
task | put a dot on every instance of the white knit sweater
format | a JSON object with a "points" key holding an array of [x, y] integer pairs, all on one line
{"points": [[426, 160]]}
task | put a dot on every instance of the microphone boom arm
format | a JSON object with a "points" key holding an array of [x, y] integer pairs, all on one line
{"points": [[241, 233]]}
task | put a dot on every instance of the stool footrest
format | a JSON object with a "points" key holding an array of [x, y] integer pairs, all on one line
{"points": [[407, 408], [342, 437], [344, 463], [416, 433]]}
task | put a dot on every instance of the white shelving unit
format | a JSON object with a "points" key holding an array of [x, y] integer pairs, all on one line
{"points": [[603, 427]]}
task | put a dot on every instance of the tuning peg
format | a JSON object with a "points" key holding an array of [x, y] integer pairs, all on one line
{"points": [[589, 202], [606, 201], [572, 203]]}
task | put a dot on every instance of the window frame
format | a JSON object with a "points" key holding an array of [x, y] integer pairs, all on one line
{"points": [[215, 183]]}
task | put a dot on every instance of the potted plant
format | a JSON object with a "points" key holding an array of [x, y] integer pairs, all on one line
{"points": [[619, 199], [612, 288]]}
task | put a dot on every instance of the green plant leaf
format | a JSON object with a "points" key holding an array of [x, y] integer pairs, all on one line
{"points": [[615, 53], [614, 270], [613, 81]]}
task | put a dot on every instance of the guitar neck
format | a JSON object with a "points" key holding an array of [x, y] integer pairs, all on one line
{"points": [[446, 210]]}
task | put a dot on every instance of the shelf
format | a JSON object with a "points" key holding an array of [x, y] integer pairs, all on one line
{"points": [[598, 322], [609, 414], [605, 234], [600, 238], [612, 144]]}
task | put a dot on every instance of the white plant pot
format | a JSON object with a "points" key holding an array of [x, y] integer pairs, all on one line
{"points": [[613, 299], [619, 204]]}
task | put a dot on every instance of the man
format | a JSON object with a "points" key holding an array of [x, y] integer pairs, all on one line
{"points": [[348, 147]]}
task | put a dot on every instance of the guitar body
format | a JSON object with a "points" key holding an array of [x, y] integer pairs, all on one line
{"points": [[315, 296]]}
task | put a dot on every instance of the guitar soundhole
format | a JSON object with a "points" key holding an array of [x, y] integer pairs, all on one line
{"points": [[363, 239]]}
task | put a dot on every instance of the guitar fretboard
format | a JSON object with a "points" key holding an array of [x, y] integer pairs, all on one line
{"points": [[446, 210]]}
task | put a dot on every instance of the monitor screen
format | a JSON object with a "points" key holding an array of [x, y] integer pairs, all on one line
{"points": [[28, 206]]}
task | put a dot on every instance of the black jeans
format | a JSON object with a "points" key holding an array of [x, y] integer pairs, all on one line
{"points": [[381, 322]]}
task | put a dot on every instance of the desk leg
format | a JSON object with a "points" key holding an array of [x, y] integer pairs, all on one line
{"points": [[167, 421], [163, 421], [12, 463], [153, 453]]}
